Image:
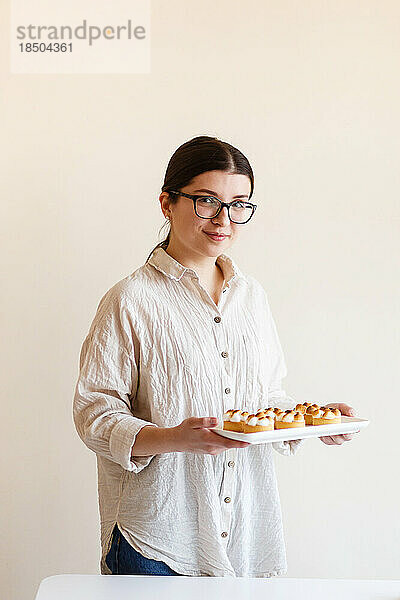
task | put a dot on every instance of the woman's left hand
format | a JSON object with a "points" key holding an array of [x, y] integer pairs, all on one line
{"points": [[346, 411]]}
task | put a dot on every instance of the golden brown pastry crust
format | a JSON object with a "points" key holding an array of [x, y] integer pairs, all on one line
{"points": [[323, 420], [284, 425], [298, 420], [308, 417], [233, 425], [255, 428]]}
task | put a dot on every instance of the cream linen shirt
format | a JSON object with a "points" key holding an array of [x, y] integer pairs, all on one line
{"points": [[158, 351]]}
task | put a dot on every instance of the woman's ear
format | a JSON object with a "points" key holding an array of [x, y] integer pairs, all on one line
{"points": [[165, 204]]}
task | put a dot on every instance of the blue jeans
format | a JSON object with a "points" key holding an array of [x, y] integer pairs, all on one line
{"points": [[122, 559]]}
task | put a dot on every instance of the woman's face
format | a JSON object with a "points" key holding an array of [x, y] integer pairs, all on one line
{"points": [[188, 231]]}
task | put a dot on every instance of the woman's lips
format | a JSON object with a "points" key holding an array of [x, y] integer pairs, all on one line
{"points": [[217, 238]]}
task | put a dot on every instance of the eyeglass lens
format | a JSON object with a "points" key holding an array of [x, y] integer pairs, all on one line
{"points": [[208, 207]]}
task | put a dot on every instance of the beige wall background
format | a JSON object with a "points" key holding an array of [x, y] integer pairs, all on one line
{"points": [[310, 92]]}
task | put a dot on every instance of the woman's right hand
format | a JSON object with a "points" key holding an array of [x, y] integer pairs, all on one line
{"points": [[195, 435]]}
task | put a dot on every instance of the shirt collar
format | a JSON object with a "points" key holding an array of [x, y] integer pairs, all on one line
{"points": [[165, 263]]}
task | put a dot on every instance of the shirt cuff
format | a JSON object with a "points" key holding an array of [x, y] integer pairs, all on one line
{"points": [[122, 439]]}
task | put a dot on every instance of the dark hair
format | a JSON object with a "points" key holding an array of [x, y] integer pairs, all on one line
{"points": [[199, 155]]}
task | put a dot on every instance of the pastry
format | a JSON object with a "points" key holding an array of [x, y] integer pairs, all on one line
{"points": [[278, 413], [326, 416], [267, 419], [289, 418], [243, 416], [302, 407], [308, 414], [270, 412], [258, 422], [233, 420]]}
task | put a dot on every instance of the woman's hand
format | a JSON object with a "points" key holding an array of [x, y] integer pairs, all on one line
{"points": [[195, 435], [347, 411]]}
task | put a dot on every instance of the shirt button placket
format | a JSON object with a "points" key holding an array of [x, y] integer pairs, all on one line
{"points": [[226, 492], [228, 400], [226, 382]]}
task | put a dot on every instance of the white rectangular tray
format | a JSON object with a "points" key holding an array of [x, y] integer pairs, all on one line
{"points": [[348, 425]]}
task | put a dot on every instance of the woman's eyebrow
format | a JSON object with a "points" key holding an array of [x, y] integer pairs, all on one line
{"points": [[215, 193]]}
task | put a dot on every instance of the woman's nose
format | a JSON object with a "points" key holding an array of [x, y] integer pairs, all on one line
{"points": [[222, 218]]}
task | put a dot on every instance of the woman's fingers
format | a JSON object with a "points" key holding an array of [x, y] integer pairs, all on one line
{"points": [[337, 439], [327, 439], [332, 439], [228, 443]]}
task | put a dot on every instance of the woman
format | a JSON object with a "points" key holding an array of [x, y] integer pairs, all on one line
{"points": [[172, 346]]}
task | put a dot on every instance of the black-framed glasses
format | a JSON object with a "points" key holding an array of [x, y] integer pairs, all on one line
{"points": [[208, 207]]}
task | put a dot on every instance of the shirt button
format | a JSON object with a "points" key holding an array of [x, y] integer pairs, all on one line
{"points": [[227, 390], [224, 534], [231, 463], [227, 499], [224, 354], [217, 319]]}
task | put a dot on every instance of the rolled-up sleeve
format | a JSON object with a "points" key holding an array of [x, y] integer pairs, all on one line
{"points": [[108, 377], [276, 394]]}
